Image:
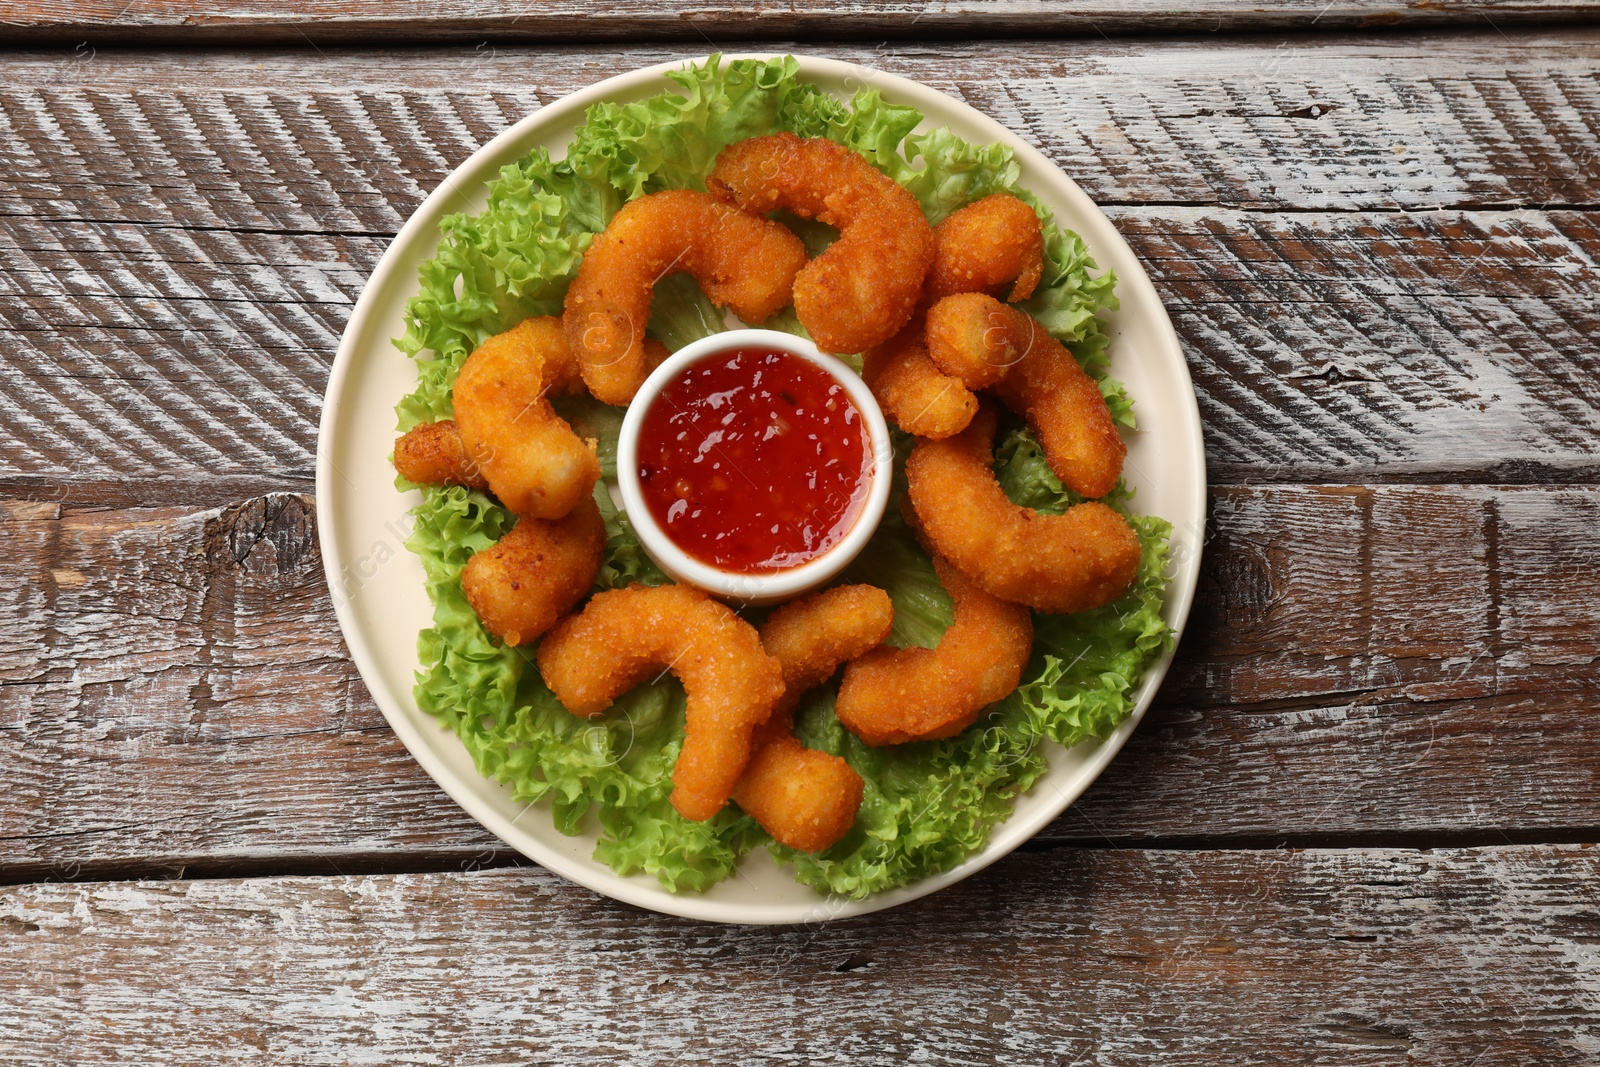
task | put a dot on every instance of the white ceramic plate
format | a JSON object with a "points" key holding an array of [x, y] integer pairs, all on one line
{"points": [[378, 585]]}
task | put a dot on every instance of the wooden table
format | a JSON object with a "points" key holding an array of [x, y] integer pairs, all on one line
{"points": [[1357, 827]]}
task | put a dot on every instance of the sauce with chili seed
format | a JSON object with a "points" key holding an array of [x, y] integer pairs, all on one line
{"points": [[754, 460]]}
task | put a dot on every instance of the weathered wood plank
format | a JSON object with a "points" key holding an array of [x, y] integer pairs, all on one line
{"points": [[181, 240], [1364, 662], [1325, 346], [370, 21], [1353, 958], [351, 140], [147, 352], [1372, 652], [1363, 346], [178, 676]]}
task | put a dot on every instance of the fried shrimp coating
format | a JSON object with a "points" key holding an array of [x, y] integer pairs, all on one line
{"points": [[974, 342], [1082, 559], [985, 343], [865, 286], [978, 249], [626, 636], [533, 575], [804, 798], [432, 454], [529, 455], [810, 637], [984, 245], [914, 394], [742, 261], [893, 695]]}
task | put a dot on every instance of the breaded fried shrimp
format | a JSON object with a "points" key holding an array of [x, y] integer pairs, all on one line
{"points": [[807, 799], [1082, 559], [529, 455], [914, 394], [984, 246], [559, 372], [432, 454], [810, 637], [742, 261], [626, 636], [981, 247], [974, 343], [893, 695], [865, 286], [534, 575], [987, 344]]}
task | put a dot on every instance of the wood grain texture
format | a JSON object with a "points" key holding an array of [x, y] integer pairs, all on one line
{"points": [[1381, 254], [352, 139], [372, 21], [1332, 346], [178, 677], [1357, 653], [156, 364], [165, 358], [1364, 662], [1360, 958], [181, 240]]}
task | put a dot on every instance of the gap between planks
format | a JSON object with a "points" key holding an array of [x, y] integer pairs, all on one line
{"points": [[318, 22], [496, 855]]}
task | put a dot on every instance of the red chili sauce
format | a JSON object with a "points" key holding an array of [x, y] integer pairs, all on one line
{"points": [[754, 460]]}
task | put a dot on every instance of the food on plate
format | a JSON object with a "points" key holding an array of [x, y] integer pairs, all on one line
{"points": [[698, 705], [984, 342], [985, 246], [529, 456], [975, 346], [754, 460], [812, 636], [432, 454], [914, 394], [865, 286], [982, 247], [894, 695], [1082, 559], [741, 260], [626, 636], [807, 800], [534, 574]]}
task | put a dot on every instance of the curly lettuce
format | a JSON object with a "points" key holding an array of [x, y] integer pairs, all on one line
{"points": [[927, 806]]}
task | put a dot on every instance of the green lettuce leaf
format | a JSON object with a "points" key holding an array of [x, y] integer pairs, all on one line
{"points": [[682, 314], [670, 140], [494, 269], [625, 562], [894, 562], [618, 766], [925, 806]]}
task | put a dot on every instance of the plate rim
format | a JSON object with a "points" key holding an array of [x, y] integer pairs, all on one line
{"points": [[591, 873]]}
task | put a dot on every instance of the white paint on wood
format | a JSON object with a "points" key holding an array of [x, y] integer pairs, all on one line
{"points": [[1324, 345], [1415, 121], [1363, 957]]}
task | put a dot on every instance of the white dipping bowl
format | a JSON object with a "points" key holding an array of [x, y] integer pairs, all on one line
{"points": [[763, 587]]}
